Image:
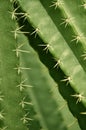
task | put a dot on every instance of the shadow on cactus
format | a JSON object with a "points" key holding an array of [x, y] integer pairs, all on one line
{"points": [[72, 96], [54, 30]]}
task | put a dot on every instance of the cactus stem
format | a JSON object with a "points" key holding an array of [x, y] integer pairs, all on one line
{"points": [[17, 31], [67, 79], [23, 103], [56, 3], [19, 69], [79, 97]]}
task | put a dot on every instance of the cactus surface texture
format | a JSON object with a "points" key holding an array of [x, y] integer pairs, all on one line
{"points": [[43, 65]]}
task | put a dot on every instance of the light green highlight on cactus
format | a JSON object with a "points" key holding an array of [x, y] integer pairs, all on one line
{"points": [[11, 110], [51, 35], [29, 98], [52, 111], [68, 50]]}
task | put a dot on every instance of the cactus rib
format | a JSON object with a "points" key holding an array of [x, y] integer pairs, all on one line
{"points": [[69, 62]]}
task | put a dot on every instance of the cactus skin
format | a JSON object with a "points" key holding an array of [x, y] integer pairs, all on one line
{"points": [[70, 61], [13, 94], [48, 90], [11, 112], [11, 98], [39, 86]]}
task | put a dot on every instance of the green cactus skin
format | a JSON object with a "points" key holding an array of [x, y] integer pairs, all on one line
{"points": [[12, 83], [11, 113], [15, 105], [29, 99], [75, 108], [40, 92], [70, 61], [70, 27], [48, 113]]}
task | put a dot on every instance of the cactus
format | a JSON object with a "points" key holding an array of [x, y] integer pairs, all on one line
{"points": [[29, 98]]}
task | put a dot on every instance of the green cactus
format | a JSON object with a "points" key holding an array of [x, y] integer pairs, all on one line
{"points": [[29, 98]]}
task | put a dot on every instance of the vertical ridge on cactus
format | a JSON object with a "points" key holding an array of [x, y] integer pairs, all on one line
{"points": [[29, 98], [11, 113], [39, 95], [57, 43]]}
